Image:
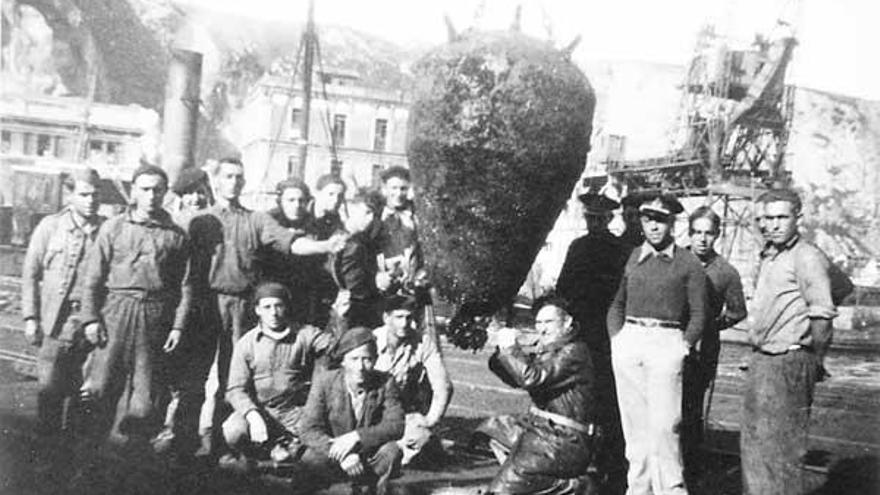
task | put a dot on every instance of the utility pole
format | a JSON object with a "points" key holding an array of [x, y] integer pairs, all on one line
{"points": [[308, 40]]}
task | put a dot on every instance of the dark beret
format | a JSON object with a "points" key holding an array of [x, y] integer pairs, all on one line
{"points": [[352, 339], [597, 204], [271, 289], [189, 180]]}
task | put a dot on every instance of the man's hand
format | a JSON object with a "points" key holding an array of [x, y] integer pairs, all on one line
{"points": [[352, 465], [343, 445], [506, 338], [33, 333], [256, 426], [336, 242], [383, 281], [96, 334], [172, 341]]}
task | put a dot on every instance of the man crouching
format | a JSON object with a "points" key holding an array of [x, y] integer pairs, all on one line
{"points": [[353, 419], [555, 447], [269, 378]]}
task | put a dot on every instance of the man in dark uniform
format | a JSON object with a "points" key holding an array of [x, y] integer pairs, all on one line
{"points": [[399, 249], [52, 279], [589, 280]]}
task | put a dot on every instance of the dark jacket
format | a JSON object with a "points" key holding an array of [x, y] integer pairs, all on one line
{"points": [[328, 412], [559, 378]]}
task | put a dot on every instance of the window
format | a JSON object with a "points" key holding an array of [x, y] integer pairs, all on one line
{"points": [[339, 129], [6, 142], [379, 137], [377, 173], [296, 121]]}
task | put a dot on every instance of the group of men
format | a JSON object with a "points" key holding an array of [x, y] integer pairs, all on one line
{"points": [[294, 335], [629, 345], [299, 335]]}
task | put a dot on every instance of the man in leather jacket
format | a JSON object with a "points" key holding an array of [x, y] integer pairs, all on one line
{"points": [[555, 446]]}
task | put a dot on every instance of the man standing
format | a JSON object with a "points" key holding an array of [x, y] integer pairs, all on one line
{"points": [[326, 221], [229, 236], [296, 273], [553, 446], [135, 302], [52, 278], [588, 281], [790, 331], [398, 239], [727, 307], [270, 375], [353, 419], [657, 315], [411, 356], [355, 267]]}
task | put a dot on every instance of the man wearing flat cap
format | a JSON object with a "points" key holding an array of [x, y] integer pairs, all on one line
{"points": [[269, 377], [52, 279], [657, 315], [588, 280], [353, 419]]}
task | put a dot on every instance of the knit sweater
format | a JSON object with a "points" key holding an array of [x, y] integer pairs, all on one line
{"points": [[664, 288]]}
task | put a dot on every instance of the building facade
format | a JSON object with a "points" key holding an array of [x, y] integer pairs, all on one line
{"points": [[354, 130]]}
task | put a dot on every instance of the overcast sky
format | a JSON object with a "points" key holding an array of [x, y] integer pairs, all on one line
{"points": [[833, 55]]}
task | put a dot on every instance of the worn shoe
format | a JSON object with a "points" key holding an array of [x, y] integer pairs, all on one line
{"points": [[206, 445], [163, 442], [234, 463]]}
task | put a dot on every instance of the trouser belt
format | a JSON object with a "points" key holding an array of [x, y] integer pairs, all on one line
{"points": [[561, 420], [653, 322]]}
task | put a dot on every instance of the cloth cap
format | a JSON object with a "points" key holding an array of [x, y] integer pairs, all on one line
{"points": [[352, 339], [189, 180], [597, 204], [662, 204], [271, 289]]}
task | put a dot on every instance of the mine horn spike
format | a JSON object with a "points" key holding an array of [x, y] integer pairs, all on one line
{"points": [[568, 50], [517, 19], [450, 29]]}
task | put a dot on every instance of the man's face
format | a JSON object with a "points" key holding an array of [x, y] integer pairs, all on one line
{"points": [[778, 222], [293, 203], [329, 198], [359, 218], [357, 363], [272, 313], [230, 180], [195, 200], [657, 228], [703, 236], [552, 324], [399, 321], [396, 192], [147, 193], [84, 199]]}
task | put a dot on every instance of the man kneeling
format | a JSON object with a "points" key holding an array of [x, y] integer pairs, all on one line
{"points": [[555, 440], [353, 419], [269, 378]]}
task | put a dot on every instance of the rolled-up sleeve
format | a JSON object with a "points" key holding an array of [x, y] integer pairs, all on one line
{"points": [[812, 272], [273, 235]]}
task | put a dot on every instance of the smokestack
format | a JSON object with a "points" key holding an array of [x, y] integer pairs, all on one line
{"points": [[181, 115]]}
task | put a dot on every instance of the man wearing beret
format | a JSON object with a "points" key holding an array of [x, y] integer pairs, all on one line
{"points": [[269, 377], [228, 236], [52, 279], [136, 298], [588, 280], [194, 190], [657, 315], [353, 419]]}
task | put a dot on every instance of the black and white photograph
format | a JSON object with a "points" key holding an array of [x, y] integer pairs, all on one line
{"points": [[439, 247]]}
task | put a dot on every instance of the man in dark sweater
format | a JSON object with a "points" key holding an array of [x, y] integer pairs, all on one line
{"points": [[656, 317]]}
